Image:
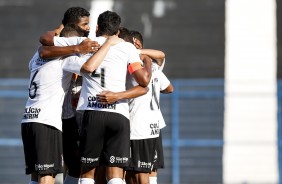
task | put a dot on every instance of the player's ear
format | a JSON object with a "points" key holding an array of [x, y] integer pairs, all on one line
{"points": [[97, 28]]}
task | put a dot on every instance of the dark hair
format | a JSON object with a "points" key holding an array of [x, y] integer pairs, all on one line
{"points": [[124, 33], [108, 23], [73, 14], [71, 30], [137, 35]]}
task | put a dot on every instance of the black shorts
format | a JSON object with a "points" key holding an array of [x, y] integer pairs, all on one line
{"points": [[105, 139], [159, 162], [70, 134], [79, 117], [42, 148], [143, 155], [70, 143]]}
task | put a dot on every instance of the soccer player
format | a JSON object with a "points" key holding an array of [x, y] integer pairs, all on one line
{"points": [[41, 124], [145, 137], [110, 75], [159, 58], [70, 133], [78, 17], [106, 132]]}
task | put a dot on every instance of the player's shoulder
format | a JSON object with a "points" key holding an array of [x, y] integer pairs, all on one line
{"points": [[127, 45]]}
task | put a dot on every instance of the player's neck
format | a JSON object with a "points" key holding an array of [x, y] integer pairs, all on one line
{"points": [[105, 36]]}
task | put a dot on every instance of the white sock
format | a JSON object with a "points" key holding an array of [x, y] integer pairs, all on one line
{"points": [[115, 181], [153, 180], [33, 182], [71, 180], [86, 181]]}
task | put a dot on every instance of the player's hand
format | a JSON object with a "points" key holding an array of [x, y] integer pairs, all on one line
{"points": [[137, 43], [107, 97], [59, 29], [88, 45], [114, 40]]}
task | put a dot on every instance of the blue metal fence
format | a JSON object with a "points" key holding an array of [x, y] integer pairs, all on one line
{"points": [[186, 90]]}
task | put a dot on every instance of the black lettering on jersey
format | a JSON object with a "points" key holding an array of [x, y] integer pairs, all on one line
{"points": [[94, 74], [103, 84], [155, 131], [32, 87], [155, 128], [100, 105], [30, 116], [92, 98], [101, 76], [32, 110], [31, 113], [40, 61]]}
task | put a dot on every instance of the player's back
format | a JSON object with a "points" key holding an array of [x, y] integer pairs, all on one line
{"points": [[145, 115], [46, 93], [115, 65], [110, 75]]}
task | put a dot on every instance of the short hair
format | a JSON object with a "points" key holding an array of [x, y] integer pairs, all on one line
{"points": [[71, 30], [73, 14], [108, 23], [124, 33], [137, 35]]}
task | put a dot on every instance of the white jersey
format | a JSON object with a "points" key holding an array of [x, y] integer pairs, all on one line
{"points": [[110, 75], [49, 81], [146, 119], [68, 109]]}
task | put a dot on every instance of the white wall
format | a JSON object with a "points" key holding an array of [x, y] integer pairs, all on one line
{"points": [[97, 7], [250, 132]]}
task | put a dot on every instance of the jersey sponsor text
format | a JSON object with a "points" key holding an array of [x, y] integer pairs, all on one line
{"points": [[155, 128], [92, 102], [31, 113]]}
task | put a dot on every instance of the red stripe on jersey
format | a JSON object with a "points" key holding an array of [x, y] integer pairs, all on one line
{"points": [[134, 66]]}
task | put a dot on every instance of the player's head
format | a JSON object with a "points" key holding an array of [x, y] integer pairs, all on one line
{"points": [[124, 33], [108, 23], [78, 16], [70, 30], [137, 39]]}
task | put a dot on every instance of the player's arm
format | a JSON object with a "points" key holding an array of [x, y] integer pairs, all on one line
{"points": [[86, 46], [165, 85], [141, 74], [167, 90], [157, 55], [111, 97], [96, 59], [49, 51], [47, 38]]}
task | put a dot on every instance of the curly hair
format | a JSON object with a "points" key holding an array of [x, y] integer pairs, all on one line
{"points": [[71, 30], [73, 14]]}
